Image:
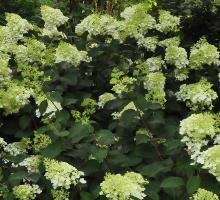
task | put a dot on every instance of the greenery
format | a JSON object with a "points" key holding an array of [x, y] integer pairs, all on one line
{"points": [[109, 99]]}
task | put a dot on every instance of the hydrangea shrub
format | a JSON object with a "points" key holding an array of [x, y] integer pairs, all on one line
{"points": [[100, 114]]}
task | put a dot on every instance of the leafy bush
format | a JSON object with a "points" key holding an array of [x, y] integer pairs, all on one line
{"points": [[97, 115]]}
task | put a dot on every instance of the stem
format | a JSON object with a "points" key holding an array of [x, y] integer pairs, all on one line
{"points": [[96, 5]]}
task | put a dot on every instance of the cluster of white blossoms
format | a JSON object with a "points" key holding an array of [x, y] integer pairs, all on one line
{"points": [[155, 83], [210, 160], [123, 187], [5, 71], [154, 64], [32, 51], [173, 41], [197, 131], [203, 194], [60, 194], [104, 98], [176, 56], [26, 192], [149, 43], [62, 174], [203, 53], [129, 106], [167, 22], [121, 82], [53, 18], [15, 148], [69, 53], [198, 96], [14, 97], [31, 163]]}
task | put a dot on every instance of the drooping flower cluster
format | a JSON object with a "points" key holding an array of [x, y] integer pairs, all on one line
{"points": [[129, 106], [155, 83], [53, 18], [69, 53], [121, 82], [41, 141], [104, 98], [14, 97], [176, 56], [167, 22], [62, 174], [203, 194], [31, 163], [26, 191], [60, 194], [149, 43], [197, 95], [198, 126], [89, 106], [198, 130], [203, 53], [210, 159], [123, 187], [154, 64]]}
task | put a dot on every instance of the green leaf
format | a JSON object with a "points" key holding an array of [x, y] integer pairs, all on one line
{"points": [[53, 150], [104, 137], [86, 196], [24, 121], [79, 131], [16, 177], [193, 184], [129, 118], [172, 182], [43, 107], [152, 170], [98, 154]]}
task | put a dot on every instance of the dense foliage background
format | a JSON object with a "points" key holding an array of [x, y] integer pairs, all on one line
{"points": [[105, 144]]}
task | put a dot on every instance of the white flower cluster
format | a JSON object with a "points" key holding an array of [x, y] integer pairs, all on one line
{"points": [[96, 24], [155, 83], [123, 187], [203, 194], [104, 98], [173, 41], [210, 160], [197, 95], [129, 106], [17, 26], [154, 64], [53, 18], [197, 130], [150, 43], [26, 191], [14, 97], [10, 34], [5, 71], [69, 53], [167, 22], [121, 82], [15, 148], [176, 56], [32, 51], [198, 126], [203, 53], [60, 194], [62, 174], [31, 163], [181, 74]]}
